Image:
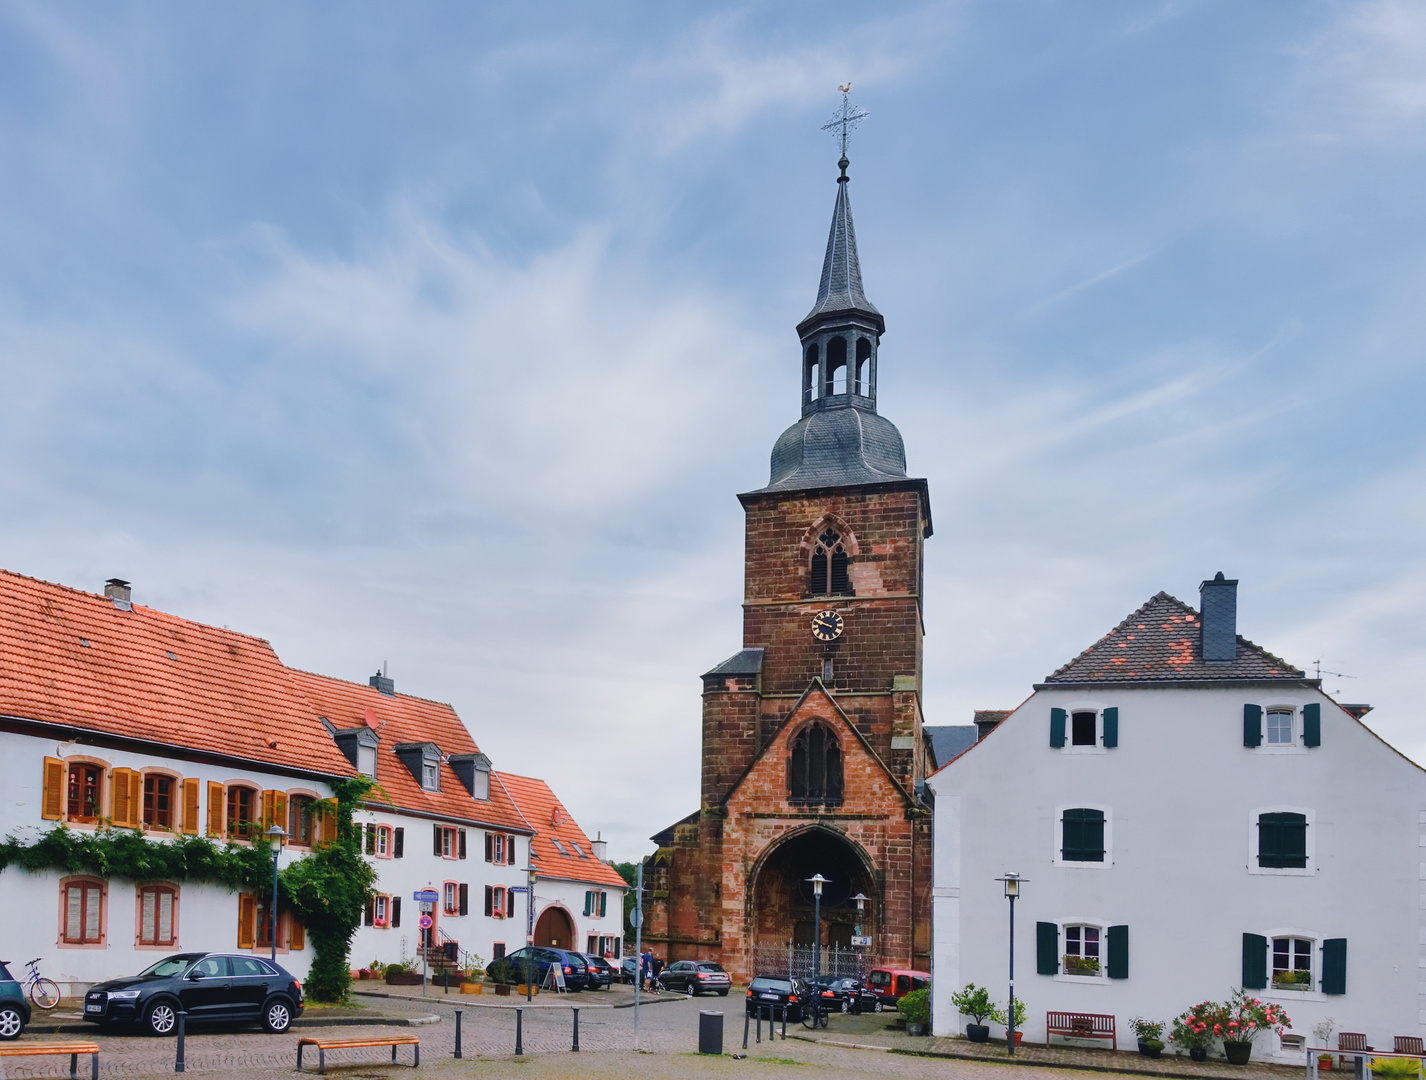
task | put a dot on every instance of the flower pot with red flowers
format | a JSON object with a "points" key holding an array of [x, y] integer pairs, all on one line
{"points": [[1237, 1022]]}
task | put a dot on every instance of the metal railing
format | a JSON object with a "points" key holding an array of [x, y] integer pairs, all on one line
{"points": [[798, 961]]}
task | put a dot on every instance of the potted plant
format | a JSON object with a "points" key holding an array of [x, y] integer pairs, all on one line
{"points": [[504, 976], [1081, 965], [1002, 1016], [1192, 1032], [1322, 1035], [400, 974], [1396, 1068], [1238, 1021], [1150, 1034], [916, 1008], [974, 1001]]}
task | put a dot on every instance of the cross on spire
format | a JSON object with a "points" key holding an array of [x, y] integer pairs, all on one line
{"points": [[845, 119]]}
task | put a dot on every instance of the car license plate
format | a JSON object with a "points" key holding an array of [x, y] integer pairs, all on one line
{"points": [[768, 997], [94, 1008]]}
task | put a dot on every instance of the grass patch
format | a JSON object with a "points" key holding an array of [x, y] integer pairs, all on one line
{"points": [[778, 1061]]}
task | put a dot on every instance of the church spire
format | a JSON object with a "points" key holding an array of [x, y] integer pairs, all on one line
{"points": [[840, 290]]}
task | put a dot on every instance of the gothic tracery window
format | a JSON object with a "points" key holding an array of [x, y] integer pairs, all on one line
{"points": [[830, 562], [815, 771]]}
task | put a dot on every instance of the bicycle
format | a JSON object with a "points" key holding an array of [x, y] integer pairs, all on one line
{"points": [[814, 1012], [43, 992]]}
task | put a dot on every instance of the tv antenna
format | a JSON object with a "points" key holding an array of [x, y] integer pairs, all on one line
{"points": [[1317, 665]]}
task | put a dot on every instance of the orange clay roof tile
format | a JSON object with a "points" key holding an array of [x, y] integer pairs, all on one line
{"points": [[551, 821], [401, 718], [72, 658]]}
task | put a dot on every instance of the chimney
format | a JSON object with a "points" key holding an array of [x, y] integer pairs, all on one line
{"points": [[600, 847], [381, 683], [117, 590], [1218, 620]]}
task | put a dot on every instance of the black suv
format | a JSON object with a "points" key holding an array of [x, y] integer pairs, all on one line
{"points": [[208, 986], [576, 971]]}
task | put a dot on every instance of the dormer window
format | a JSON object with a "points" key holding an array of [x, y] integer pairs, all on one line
{"points": [[366, 761], [431, 775], [422, 761]]}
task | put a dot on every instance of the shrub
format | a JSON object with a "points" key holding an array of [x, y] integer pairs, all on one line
{"points": [[1396, 1068], [503, 971], [1190, 1030], [916, 1007], [1002, 1016], [1148, 1030], [974, 1001]]}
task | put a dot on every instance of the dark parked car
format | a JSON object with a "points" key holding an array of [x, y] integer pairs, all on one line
{"points": [[576, 971], [209, 986], [770, 994], [695, 977], [629, 970], [601, 971], [842, 995], [14, 1009]]}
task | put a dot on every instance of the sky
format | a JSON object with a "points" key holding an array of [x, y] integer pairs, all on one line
{"points": [[443, 335]]}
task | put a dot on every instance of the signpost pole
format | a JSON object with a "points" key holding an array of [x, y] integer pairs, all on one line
{"points": [[426, 898], [638, 948]]}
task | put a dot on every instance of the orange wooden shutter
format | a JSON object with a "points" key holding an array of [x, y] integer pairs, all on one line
{"points": [[279, 810], [215, 808], [267, 809], [329, 820], [296, 936], [123, 814], [52, 802], [190, 806], [136, 799], [247, 909]]}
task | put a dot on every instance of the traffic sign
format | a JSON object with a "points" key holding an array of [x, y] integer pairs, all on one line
{"points": [[426, 896], [425, 922], [427, 907], [861, 941], [637, 918]]}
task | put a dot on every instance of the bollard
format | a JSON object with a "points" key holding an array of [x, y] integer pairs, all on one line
{"points": [[446, 978], [784, 1023], [575, 1047], [178, 1061], [519, 1036], [710, 1032], [746, 1023], [458, 1012]]}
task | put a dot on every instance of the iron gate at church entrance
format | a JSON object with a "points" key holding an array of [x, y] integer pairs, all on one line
{"points": [[798, 961]]}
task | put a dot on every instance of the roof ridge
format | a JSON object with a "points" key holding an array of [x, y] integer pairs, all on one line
{"points": [[368, 686], [146, 609]]}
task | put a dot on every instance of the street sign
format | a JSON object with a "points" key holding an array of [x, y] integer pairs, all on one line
{"points": [[427, 907], [518, 889], [637, 918], [425, 922], [861, 941], [426, 896]]}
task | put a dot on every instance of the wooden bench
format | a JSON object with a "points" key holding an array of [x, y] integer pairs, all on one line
{"points": [[1072, 1025], [1408, 1044], [393, 1041], [72, 1049]]}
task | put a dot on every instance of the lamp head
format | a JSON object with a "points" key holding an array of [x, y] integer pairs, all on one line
{"points": [[276, 835], [861, 900], [531, 874], [1012, 882], [817, 882]]}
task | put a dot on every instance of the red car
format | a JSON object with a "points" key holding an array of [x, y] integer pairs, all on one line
{"points": [[890, 985]]}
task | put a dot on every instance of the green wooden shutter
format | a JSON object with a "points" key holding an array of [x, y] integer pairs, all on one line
{"points": [[1047, 946], [1312, 725], [1334, 966], [1282, 840], [1057, 728], [1111, 727], [1255, 962], [1082, 835], [603, 904], [1118, 965], [1252, 725]]}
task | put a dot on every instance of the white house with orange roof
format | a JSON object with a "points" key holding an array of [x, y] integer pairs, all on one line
{"points": [[1190, 814], [579, 897], [114, 715]]}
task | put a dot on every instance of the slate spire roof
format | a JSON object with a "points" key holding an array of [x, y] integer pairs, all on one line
{"points": [[840, 289], [1159, 643]]}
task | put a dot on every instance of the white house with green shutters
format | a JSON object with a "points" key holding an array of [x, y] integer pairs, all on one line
{"points": [[1190, 814]]}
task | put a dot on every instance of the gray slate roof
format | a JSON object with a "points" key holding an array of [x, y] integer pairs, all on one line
{"points": [[950, 740], [837, 447], [1159, 643], [841, 286], [746, 662]]}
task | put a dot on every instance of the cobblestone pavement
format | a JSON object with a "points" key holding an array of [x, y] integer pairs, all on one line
{"points": [[667, 1034]]}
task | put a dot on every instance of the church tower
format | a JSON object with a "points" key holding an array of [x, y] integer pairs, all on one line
{"points": [[813, 749]]}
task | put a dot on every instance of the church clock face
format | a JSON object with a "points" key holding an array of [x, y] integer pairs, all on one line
{"points": [[827, 626]]}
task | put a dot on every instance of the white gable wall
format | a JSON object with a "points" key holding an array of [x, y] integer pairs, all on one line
{"points": [[1180, 793]]}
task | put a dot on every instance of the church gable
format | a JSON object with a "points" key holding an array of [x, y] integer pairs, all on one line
{"points": [[817, 761]]}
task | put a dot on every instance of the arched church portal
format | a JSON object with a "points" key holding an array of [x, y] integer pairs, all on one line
{"points": [[554, 930], [782, 898]]}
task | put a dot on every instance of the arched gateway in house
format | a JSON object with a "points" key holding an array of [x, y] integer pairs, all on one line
{"points": [[813, 748], [554, 929]]}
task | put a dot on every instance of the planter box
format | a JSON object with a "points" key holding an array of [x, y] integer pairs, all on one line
{"points": [[472, 988], [404, 979], [520, 990]]}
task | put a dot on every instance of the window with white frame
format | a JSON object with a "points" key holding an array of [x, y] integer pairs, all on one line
{"points": [[1279, 725], [451, 904], [431, 775], [379, 910], [1292, 963], [1082, 954]]}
